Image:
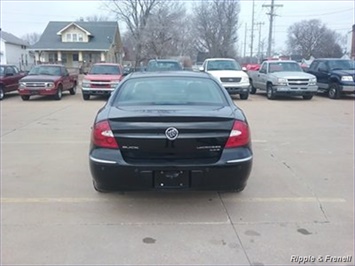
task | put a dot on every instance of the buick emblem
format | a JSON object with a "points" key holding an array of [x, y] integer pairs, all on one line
{"points": [[171, 133]]}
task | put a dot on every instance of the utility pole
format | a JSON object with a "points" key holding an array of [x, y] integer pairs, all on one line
{"points": [[252, 32], [245, 40], [259, 43], [272, 15]]}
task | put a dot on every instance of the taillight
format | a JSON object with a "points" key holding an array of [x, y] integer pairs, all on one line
{"points": [[239, 135], [102, 135]]}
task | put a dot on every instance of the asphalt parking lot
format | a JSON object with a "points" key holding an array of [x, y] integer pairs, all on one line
{"points": [[298, 207]]}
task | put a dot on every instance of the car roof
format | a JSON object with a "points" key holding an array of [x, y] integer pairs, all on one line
{"points": [[163, 60], [281, 61], [182, 73], [7, 65], [106, 64], [332, 59], [51, 65], [215, 59]]}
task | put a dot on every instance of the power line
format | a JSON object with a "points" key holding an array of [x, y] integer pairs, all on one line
{"points": [[318, 15]]}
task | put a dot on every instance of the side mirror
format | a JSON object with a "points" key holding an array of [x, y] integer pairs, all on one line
{"points": [[201, 69], [244, 69]]}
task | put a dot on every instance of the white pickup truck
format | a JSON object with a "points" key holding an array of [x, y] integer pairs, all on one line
{"points": [[284, 78], [230, 74]]}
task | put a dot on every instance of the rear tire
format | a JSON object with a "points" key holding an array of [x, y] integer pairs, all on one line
{"points": [[270, 92], [307, 97], [253, 89], [25, 97], [59, 94], [2, 93], [73, 90], [86, 97], [334, 91]]}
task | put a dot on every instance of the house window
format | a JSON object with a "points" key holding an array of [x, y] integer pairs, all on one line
{"points": [[52, 57], [26, 60], [68, 37], [81, 39], [75, 37]]}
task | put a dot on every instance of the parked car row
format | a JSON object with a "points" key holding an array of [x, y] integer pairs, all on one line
{"points": [[276, 77]]}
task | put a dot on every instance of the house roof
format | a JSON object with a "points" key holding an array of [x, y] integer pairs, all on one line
{"points": [[102, 36], [75, 24], [10, 38]]}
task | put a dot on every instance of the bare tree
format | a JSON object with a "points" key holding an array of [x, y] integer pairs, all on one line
{"points": [[31, 38], [135, 14], [216, 25], [312, 38], [163, 31]]}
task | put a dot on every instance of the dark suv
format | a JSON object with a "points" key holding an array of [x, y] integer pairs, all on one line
{"points": [[335, 76], [163, 65]]}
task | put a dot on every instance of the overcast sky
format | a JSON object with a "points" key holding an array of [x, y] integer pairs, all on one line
{"points": [[22, 17]]}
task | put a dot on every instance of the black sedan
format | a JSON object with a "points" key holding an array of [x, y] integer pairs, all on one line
{"points": [[170, 130]]}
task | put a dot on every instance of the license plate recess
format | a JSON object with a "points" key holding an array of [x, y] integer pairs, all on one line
{"points": [[171, 179]]}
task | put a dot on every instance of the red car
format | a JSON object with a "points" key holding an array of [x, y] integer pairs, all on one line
{"points": [[102, 79], [9, 79], [51, 79]]}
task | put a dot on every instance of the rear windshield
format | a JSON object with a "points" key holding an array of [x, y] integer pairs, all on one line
{"points": [[105, 70], [170, 91]]}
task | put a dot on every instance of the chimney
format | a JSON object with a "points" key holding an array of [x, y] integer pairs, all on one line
{"points": [[353, 43]]}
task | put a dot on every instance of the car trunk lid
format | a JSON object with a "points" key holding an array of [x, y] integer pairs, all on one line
{"points": [[143, 133]]}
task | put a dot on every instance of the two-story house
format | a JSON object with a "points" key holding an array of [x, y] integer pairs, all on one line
{"points": [[79, 44], [13, 51]]}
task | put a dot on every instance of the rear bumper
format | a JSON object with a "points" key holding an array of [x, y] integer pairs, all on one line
{"points": [[231, 172], [26, 91]]}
